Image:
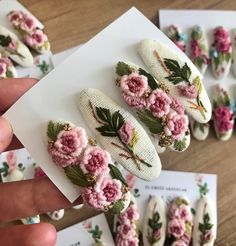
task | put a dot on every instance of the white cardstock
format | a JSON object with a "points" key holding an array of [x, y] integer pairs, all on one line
{"points": [[208, 19], [92, 65], [80, 234]]}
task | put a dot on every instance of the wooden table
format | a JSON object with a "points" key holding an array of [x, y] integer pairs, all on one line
{"points": [[71, 22]]}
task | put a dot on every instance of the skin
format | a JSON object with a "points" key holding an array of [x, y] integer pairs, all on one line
{"points": [[28, 197]]}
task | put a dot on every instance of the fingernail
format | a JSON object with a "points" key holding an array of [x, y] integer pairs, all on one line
{"points": [[5, 134]]}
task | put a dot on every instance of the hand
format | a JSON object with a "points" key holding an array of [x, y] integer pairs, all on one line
{"points": [[25, 198]]}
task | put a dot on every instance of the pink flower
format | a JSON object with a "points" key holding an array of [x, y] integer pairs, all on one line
{"points": [[179, 243], [133, 84], [176, 105], [95, 160], [176, 125], [87, 224], [36, 39], [173, 211], [127, 242], [126, 132], [186, 238], [184, 213], [207, 236], [28, 24], [136, 102], [157, 234], [16, 17], [222, 40], [131, 214], [130, 179], [94, 198], [181, 45], [3, 69], [189, 91], [111, 189], [176, 228], [68, 146], [221, 34], [195, 49], [223, 119], [12, 45], [11, 160], [198, 178], [223, 46], [38, 172], [126, 230], [6, 60], [159, 103]]}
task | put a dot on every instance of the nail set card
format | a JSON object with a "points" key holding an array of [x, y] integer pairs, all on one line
{"points": [[209, 20], [93, 231], [88, 67]]}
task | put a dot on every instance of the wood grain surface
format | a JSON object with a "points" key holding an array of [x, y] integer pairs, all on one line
{"points": [[71, 22]]}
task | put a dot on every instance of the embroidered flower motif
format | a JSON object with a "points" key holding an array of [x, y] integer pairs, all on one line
{"points": [[223, 119], [111, 189], [222, 40], [95, 160], [131, 214], [130, 179], [208, 236], [127, 242], [6, 68], [189, 91], [126, 230], [136, 102], [12, 45], [28, 25], [68, 146], [176, 105], [176, 228], [16, 17], [159, 103], [133, 84], [176, 125], [126, 132], [3, 69], [36, 39]]}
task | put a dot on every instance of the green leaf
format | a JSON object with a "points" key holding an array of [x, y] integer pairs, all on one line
{"points": [[198, 84], [116, 174], [9, 74], [201, 227], [156, 217], [151, 81], [186, 72], [117, 207], [54, 129], [76, 176], [154, 124], [180, 145], [123, 69], [117, 121], [5, 40], [103, 114], [206, 218], [106, 130], [193, 211]]}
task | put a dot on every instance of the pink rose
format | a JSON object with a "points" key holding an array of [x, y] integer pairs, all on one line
{"points": [[189, 91], [176, 125], [195, 49], [224, 126], [68, 146], [36, 39], [176, 228], [223, 46], [207, 236], [95, 160], [111, 189], [3, 69], [136, 102], [94, 198], [38, 172], [223, 119], [15, 17], [28, 24], [179, 243], [159, 103], [126, 231], [12, 45], [127, 242], [133, 84], [184, 213], [157, 234], [176, 105], [173, 211], [221, 34], [131, 214], [126, 132]]}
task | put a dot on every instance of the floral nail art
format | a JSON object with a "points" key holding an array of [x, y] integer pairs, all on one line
{"points": [[179, 75], [120, 133], [220, 52], [127, 231], [26, 26], [177, 36], [161, 113], [222, 114], [199, 50], [7, 69], [154, 228], [87, 165], [14, 48], [180, 223], [200, 131]]}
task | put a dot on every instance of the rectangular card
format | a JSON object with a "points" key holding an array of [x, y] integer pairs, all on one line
{"points": [[87, 233], [209, 19], [55, 96]]}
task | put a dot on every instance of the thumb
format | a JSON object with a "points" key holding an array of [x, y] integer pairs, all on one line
{"points": [[6, 134]]}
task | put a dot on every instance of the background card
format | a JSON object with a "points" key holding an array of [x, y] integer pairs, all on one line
{"points": [[209, 19], [55, 97]]}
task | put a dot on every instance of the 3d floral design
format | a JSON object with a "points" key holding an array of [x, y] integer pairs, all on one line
{"points": [[180, 223], [220, 52], [7, 69], [95, 232], [177, 36], [128, 227], [102, 186], [27, 27], [199, 48], [223, 116], [161, 113]]}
